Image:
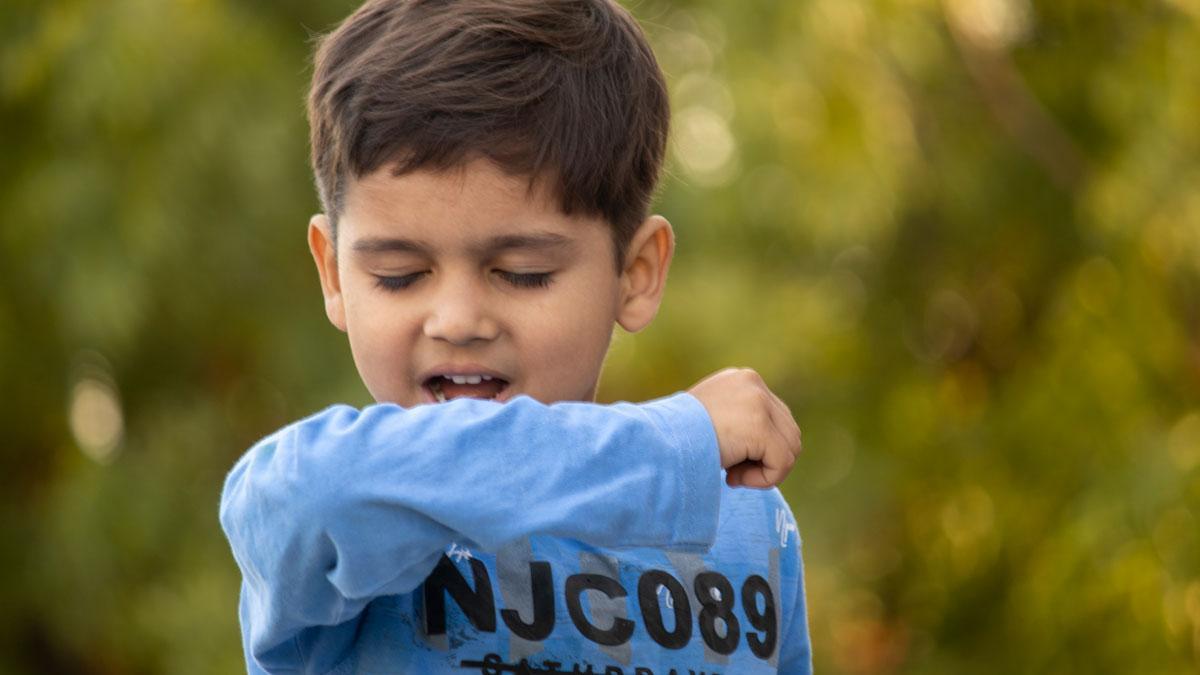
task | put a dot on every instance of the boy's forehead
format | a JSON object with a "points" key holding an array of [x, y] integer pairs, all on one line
{"points": [[475, 206], [448, 184], [537, 241], [469, 194]]}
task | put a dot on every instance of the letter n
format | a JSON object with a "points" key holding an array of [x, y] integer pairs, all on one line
{"points": [[478, 604]]}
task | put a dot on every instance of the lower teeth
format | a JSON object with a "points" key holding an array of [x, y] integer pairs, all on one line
{"points": [[441, 397]]}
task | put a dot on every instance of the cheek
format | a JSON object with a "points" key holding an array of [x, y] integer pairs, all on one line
{"points": [[378, 331], [572, 337]]}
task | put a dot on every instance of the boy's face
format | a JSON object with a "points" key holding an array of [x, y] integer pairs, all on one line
{"points": [[466, 273]]}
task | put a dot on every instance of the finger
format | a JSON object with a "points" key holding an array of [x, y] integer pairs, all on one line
{"points": [[780, 457], [788, 425], [773, 417], [773, 473], [751, 475]]}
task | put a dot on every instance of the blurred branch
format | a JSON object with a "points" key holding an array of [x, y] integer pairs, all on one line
{"points": [[1014, 106]]}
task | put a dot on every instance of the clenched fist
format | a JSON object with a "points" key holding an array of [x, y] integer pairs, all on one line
{"points": [[758, 437]]}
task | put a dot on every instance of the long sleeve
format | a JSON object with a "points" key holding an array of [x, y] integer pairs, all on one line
{"points": [[347, 505]]}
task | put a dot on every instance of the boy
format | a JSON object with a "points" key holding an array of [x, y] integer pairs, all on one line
{"points": [[485, 168]]}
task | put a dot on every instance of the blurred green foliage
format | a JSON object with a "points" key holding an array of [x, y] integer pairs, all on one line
{"points": [[960, 237]]}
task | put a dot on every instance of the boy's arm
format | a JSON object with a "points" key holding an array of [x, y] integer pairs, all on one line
{"points": [[345, 506]]}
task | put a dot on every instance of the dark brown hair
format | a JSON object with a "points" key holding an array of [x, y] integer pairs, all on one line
{"points": [[562, 91]]}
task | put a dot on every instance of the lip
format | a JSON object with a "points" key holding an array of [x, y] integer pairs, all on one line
{"points": [[464, 369]]}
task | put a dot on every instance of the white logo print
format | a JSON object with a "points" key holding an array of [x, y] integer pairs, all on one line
{"points": [[784, 526], [459, 553]]}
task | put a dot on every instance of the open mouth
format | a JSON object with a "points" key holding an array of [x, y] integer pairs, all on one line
{"points": [[442, 388]]}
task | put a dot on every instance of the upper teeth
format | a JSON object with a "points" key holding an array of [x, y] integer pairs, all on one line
{"points": [[468, 379]]}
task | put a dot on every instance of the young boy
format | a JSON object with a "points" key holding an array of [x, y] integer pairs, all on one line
{"points": [[485, 168]]}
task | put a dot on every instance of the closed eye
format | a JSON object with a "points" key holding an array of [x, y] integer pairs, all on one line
{"points": [[518, 279], [526, 279], [397, 283]]}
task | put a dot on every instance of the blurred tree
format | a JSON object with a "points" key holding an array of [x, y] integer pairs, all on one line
{"points": [[961, 237]]}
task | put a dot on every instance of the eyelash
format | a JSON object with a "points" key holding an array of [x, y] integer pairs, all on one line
{"points": [[518, 279], [396, 283], [526, 280]]}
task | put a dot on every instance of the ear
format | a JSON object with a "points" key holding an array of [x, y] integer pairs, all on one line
{"points": [[320, 242], [645, 275]]}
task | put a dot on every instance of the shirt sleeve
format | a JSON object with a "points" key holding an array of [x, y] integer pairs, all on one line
{"points": [[348, 505], [795, 653]]}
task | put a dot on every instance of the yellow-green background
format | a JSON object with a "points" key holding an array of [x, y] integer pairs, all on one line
{"points": [[960, 238]]}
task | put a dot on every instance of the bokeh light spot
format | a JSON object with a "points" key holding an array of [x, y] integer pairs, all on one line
{"points": [[991, 24], [96, 419], [706, 145]]}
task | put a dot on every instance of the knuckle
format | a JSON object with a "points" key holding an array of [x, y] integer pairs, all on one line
{"points": [[762, 419], [763, 397]]}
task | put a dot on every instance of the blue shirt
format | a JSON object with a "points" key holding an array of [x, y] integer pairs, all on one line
{"points": [[480, 537]]}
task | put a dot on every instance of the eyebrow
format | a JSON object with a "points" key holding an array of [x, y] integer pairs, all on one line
{"points": [[537, 241]]}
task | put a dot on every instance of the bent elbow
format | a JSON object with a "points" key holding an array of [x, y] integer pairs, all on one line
{"points": [[266, 501], [231, 512]]}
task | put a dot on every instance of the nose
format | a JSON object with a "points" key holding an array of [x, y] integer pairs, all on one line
{"points": [[459, 313]]}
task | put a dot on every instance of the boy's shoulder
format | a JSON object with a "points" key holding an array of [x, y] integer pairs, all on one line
{"points": [[756, 527]]}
